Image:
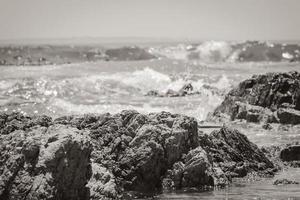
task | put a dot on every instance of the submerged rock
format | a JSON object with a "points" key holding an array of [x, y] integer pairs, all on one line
{"points": [[186, 90], [284, 182], [272, 97]]}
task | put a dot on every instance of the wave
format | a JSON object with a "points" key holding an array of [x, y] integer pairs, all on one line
{"points": [[221, 51], [112, 92]]}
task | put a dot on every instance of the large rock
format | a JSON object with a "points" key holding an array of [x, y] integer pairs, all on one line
{"points": [[45, 163], [136, 148], [235, 154], [266, 94], [132, 153]]}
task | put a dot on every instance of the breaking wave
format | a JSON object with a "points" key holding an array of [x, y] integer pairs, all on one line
{"points": [[221, 51], [112, 92]]}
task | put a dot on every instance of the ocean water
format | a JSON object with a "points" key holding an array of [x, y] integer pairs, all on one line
{"points": [[118, 85]]}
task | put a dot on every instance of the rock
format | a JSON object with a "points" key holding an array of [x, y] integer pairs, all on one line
{"points": [[252, 113], [108, 156], [154, 93], [288, 116], [155, 148], [18, 121], [186, 89], [45, 163], [197, 170], [129, 53], [267, 126], [284, 182], [234, 153], [263, 97], [102, 184], [291, 153]]}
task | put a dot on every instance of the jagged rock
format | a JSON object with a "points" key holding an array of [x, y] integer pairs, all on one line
{"points": [[102, 184], [265, 94], [234, 153], [197, 170], [284, 182], [45, 163], [252, 113], [132, 152], [136, 148], [291, 153], [18, 121]]}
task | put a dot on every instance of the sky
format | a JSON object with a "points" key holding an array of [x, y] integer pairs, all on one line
{"points": [[185, 19]]}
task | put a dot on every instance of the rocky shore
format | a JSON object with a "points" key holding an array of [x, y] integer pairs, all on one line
{"points": [[267, 98], [117, 156], [129, 154]]}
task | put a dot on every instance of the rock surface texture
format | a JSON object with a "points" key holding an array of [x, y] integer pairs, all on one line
{"points": [[45, 163], [115, 156], [272, 97]]}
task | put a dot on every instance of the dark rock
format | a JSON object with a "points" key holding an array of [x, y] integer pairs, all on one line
{"points": [[284, 182], [154, 93], [290, 153], [265, 94], [45, 163], [18, 121], [132, 152], [186, 89], [129, 53], [234, 153], [288, 116], [198, 169], [267, 126]]}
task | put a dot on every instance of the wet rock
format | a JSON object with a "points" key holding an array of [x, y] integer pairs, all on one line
{"points": [[197, 170], [284, 182], [291, 153], [132, 152], [288, 116], [263, 98], [186, 90], [267, 126], [234, 153], [45, 163]]}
